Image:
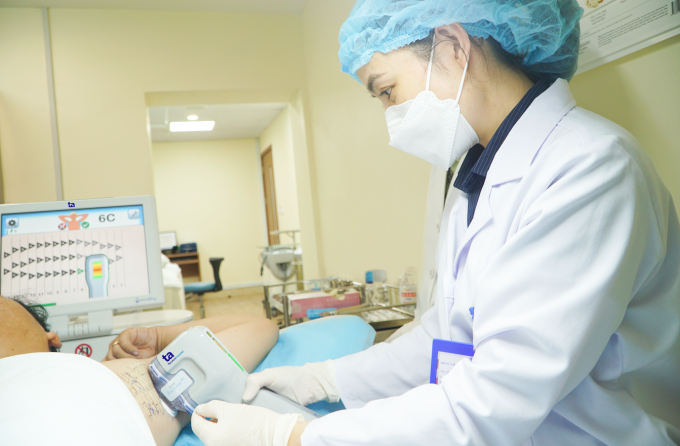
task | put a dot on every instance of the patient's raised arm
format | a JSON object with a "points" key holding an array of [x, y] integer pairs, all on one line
{"points": [[138, 342], [248, 337], [250, 340]]}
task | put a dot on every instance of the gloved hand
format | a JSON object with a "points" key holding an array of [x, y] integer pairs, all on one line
{"points": [[137, 343], [242, 425], [305, 385]]}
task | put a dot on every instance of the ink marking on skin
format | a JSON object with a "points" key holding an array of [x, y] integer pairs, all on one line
{"points": [[137, 379]]}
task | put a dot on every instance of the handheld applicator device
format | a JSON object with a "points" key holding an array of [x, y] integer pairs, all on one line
{"points": [[196, 368]]}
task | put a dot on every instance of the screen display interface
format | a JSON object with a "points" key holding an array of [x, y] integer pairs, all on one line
{"points": [[67, 257]]}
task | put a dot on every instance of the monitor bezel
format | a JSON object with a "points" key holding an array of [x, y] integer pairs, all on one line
{"points": [[155, 297]]}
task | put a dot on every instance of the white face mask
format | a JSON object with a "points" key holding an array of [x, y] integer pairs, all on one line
{"points": [[429, 128]]}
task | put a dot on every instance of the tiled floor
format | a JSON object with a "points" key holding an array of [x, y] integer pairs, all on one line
{"points": [[239, 301]]}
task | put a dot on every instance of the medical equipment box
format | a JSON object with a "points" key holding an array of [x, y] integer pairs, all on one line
{"points": [[187, 247]]}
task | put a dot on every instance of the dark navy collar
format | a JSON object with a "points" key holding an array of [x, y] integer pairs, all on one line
{"points": [[477, 162]]}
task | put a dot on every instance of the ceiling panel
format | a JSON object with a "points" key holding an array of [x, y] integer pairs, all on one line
{"points": [[252, 6], [232, 121]]}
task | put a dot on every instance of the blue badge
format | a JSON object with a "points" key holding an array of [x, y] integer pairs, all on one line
{"points": [[445, 355]]}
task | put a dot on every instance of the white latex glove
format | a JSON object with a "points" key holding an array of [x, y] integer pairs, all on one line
{"points": [[242, 425], [305, 385]]}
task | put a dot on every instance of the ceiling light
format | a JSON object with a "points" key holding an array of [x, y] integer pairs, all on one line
{"points": [[193, 126], [192, 117]]}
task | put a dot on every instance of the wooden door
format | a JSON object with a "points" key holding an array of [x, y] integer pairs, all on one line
{"points": [[270, 195]]}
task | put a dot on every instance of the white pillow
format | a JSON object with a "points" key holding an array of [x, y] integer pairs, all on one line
{"points": [[66, 399]]}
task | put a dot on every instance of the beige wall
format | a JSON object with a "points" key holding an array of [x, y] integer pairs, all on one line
{"points": [[360, 202], [370, 198], [305, 191], [279, 136], [25, 135], [208, 192], [104, 63], [385, 190], [641, 92], [288, 139], [106, 60]]}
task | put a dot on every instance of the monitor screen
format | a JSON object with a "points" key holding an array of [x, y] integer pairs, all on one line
{"points": [[70, 257], [168, 240]]}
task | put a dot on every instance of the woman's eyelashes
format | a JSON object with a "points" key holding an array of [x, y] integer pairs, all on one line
{"points": [[387, 92]]}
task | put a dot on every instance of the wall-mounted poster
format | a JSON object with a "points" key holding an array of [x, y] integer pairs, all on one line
{"points": [[615, 28]]}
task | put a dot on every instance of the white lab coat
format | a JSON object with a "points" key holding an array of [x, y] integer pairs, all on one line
{"points": [[428, 264], [572, 264]]}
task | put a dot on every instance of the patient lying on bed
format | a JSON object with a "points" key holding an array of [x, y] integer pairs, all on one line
{"points": [[23, 330]]}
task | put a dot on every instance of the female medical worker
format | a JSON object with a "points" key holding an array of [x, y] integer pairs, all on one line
{"points": [[559, 261]]}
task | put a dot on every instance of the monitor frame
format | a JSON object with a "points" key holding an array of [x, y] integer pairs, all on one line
{"points": [[155, 297]]}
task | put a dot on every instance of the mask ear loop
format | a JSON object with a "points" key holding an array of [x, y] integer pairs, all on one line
{"points": [[462, 80], [429, 65]]}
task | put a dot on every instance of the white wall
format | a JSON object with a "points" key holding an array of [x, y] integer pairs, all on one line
{"points": [[208, 192]]}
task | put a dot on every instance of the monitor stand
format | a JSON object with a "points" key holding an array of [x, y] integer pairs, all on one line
{"points": [[96, 346], [96, 323]]}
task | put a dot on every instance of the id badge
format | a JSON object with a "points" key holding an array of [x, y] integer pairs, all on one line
{"points": [[445, 355]]}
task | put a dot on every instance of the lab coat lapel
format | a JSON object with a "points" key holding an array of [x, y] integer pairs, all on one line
{"points": [[525, 139], [431, 235], [518, 152], [440, 301], [483, 215]]}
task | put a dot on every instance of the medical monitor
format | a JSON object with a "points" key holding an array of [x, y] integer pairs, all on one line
{"points": [[168, 240], [82, 256]]}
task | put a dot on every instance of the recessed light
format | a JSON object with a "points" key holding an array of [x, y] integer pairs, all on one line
{"points": [[193, 126], [192, 117]]}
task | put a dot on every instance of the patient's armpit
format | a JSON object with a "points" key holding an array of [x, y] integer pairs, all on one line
{"points": [[136, 378], [135, 374]]}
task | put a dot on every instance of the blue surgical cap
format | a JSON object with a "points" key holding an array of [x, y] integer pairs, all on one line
{"points": [[545, 32]]}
